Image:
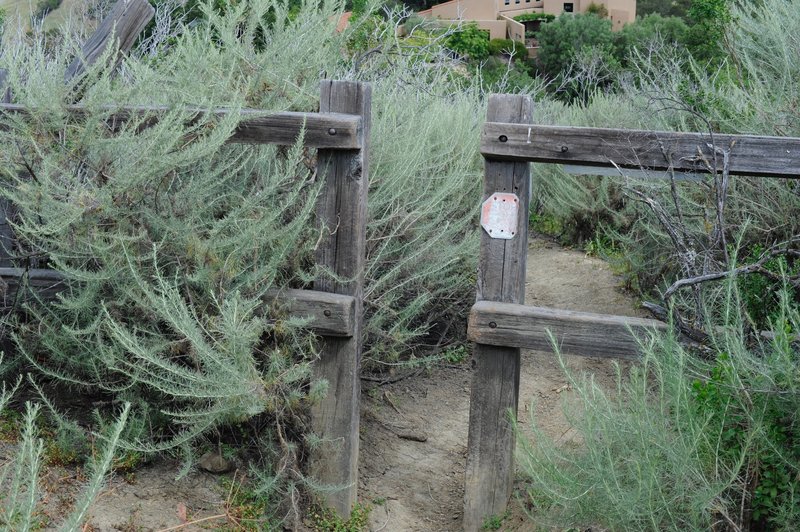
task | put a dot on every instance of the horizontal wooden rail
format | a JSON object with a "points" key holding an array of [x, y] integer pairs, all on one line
{"points": [[654, 150], [578, 333], [328, 314], [44, 283], [322, 130]]}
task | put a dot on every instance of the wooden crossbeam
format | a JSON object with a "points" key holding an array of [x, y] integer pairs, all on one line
{"points": [[577, 333], [42, 284], [327, 314], [749, 155], [321, 130]]}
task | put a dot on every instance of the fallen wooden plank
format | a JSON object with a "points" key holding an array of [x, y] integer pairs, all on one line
{"points": [[321, 130], [120, 28], [578, 333], [750, 155], [328, 314]]}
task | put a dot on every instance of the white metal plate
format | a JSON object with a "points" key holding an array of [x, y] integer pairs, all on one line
{"points": [[499, 215]]}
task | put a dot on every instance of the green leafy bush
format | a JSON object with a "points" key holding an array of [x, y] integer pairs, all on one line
{"points": [[529, 17], [510, 47], [647, 31], [44, 7], [573, 39], [470, 41], [706, 37], [497, 75]]}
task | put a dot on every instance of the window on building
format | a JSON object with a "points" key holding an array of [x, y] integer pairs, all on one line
{"points": [[568, 7], [508, 2], [516, 1]]}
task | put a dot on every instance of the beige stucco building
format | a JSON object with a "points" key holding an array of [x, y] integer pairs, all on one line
{"points": [[497, 16]]}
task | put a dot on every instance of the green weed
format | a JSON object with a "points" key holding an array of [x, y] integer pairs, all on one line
{"points": [[9, 425], [326, 520], [247, 509], [546, 224], [494, 522], [456, 355]]}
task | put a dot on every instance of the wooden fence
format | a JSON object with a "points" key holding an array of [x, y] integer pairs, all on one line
{"points": [[500, 324], [340, 133]]}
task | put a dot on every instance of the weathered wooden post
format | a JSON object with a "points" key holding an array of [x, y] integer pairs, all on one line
{"points": [[496, 370], [6, 209], [121, 27], [342, 215], [5, 92]]}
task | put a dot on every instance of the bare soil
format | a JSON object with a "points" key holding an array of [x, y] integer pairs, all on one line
{"points": [[413, 431], [418, 485]]}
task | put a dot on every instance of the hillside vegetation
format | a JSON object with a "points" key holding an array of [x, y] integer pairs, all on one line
{"points": [[163, 234]]}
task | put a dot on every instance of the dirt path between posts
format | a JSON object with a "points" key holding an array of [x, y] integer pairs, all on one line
{"points": [[413, 432], [418, 485]]}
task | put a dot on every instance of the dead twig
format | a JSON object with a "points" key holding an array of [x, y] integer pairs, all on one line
{"points": [[756, 267], [391, 380], [195, 522]]}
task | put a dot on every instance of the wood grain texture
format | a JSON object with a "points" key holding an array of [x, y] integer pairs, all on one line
{"points": [[342, 215], [495, 381], [750, 155], [120, 29], [330, 130], [577, 333], [327, 314], [6, 208]]}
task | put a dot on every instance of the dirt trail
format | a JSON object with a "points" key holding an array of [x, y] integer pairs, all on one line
{"points": [[411, 485], [418, 486]]}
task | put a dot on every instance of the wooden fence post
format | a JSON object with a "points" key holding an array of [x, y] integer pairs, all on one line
{"points": [[496, 370], [5, 91], [6, 209], [342, 215], [121, 27]]}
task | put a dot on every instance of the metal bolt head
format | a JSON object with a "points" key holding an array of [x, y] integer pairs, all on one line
{"points": [[492, 325], [503, 138], [327, 313], [332, 131], [564, 149]]}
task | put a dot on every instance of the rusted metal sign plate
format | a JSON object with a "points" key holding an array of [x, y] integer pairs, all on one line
{"points": [[499, 215]]}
